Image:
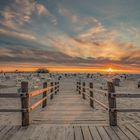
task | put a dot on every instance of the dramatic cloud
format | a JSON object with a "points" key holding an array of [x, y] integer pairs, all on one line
{"points": [[17, 34], [86, 33], [20, 12]]}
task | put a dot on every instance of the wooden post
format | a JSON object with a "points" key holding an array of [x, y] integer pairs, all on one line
{"points": [[51, 97], [25, 104], [83, 91], [44, 103], [91, 95], [112, 105], [55, 88], [58, 87], [79, 88]]}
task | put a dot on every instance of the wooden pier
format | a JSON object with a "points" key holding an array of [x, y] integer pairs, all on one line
{"points": [[68, 115]]}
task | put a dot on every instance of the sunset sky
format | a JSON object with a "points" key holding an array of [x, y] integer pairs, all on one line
{"points": [[70, 34]]}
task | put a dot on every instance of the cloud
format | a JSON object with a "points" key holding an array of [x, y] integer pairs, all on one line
{"points": [[17, 34], [79, 21], [49, 57], [86, 47], [41, 9], [21, 11]]}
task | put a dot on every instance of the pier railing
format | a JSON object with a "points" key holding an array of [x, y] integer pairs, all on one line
{"points": [[25, 95], [89, 92]]}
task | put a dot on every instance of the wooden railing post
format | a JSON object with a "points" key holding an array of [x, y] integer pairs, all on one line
{"points": [[112, 104], [79, 87], [83, 90], [44, 103], [91, 95], [58, 87], [55, 88], [25, 104], [51, 97]]}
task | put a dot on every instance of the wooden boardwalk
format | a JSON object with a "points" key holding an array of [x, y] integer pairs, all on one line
{"points": [[69, 117], [69, 108]]}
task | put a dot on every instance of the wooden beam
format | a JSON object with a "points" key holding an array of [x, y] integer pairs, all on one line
{"points": [[127, 110], [112, 104], [100, 103], [100, 91], [51, 97], [91, 95], [83, 88], [39, 102], [10, 110], [9, 95], [79, 87], [25, 103], [126, 95], [55, 88], [44, 103], [40, 91]]}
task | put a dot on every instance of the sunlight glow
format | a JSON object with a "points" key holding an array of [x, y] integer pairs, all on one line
{"points": [[110, 70]]}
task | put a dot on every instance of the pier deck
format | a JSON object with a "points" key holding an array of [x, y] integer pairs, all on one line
{"points": [[69, 117]]}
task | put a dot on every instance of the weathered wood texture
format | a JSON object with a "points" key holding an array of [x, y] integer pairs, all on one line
{"points": [[69, 117], [25, 103], [112, 105], [69, 108], [44, 95], [63, 132]]}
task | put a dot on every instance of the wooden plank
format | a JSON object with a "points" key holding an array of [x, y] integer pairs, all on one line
{"points": [[9, 95], [33, 132], [19, 135], [56, 133], [2, 127], [10, 133], [103, 133], [5, 131], [100, 103], [133, 130], [60, 133], [70, 133], [136, 126], [87, 122], [39, 102], [94, 133], [40, 91], [129, 134], [10, 110], [86, 133], [120, 133], [126, 95], [128, 110], [78, 133], [111, 133], [103, 92], [45, 132]]}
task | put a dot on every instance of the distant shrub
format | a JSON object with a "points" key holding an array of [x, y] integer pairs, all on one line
{"points": [[42, 70]]}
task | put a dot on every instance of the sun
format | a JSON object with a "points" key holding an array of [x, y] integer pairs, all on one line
{"points": [[109, 70]]}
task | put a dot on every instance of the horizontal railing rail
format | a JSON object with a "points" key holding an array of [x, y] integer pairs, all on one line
{"points": [[25, 95], [9, 95], [111, 94]]}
